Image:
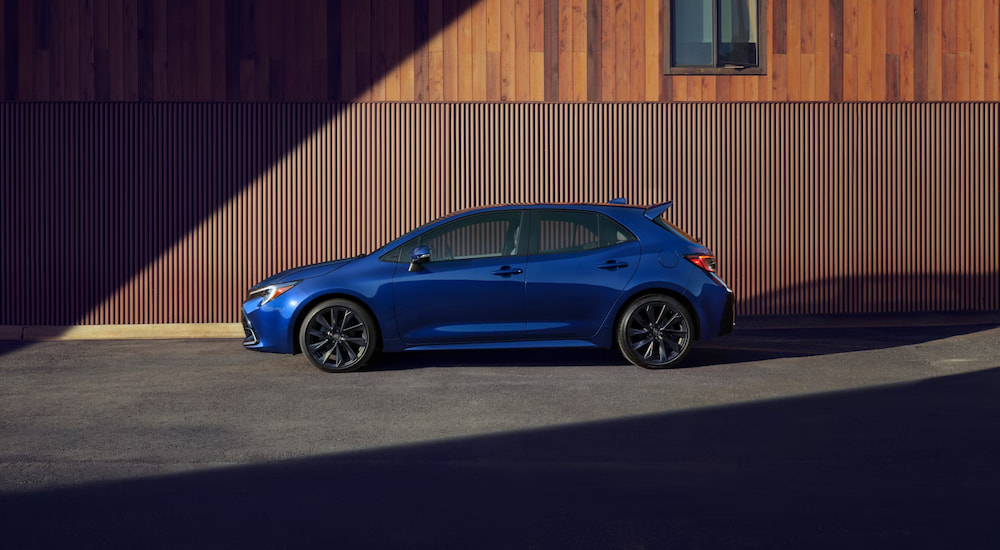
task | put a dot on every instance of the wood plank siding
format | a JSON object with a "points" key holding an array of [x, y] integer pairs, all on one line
{"points": [[168, 212], [485, 50]]}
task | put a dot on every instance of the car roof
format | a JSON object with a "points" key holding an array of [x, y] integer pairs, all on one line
{"points": [[536, 205], [655, 210]]}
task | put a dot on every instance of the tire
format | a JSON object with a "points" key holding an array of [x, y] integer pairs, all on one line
{"points": [[655, 332], [338, 336]]}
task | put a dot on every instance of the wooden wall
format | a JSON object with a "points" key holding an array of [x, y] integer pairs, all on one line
{"points": [[168, 212], [482, 50]]}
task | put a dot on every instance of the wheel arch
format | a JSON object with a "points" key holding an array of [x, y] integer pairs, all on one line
{"points": [[306, 307], [666, 292]]}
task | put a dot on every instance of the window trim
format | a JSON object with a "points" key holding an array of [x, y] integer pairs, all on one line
{"points": [[760, 69]]}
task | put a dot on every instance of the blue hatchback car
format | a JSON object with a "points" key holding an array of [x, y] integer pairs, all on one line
{"points": [[516, 276]]}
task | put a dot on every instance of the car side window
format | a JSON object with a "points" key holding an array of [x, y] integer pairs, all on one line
{"points": [[613, 233], [565, 231], [493, 234]]}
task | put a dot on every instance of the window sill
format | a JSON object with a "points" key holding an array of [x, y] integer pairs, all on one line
{"points": [[728, 71]]}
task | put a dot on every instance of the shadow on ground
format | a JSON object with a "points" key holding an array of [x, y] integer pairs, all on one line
{"points": [[741, 346], [910, 465]]}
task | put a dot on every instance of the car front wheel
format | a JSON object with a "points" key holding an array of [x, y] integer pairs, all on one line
{"points": [[338, 336], [654, 332]]}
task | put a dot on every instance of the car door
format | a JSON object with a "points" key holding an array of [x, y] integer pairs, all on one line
{"points": [[471, 289], [578, 264]]}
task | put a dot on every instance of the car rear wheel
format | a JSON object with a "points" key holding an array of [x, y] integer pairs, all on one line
{"points": [[338, 336], [654, 332]]}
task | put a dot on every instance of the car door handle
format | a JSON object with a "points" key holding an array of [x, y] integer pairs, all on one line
{"points": [[612, 264], [507, 270]]}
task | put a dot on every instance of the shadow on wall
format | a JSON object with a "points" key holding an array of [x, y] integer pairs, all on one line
{"points": [[62, 255], [908, 465], [900, 293]]}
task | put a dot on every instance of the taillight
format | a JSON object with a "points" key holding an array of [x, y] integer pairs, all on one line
{"points": [[703, 261]]}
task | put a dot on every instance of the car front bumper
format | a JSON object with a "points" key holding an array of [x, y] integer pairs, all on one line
{"points": [[251, 339], [266, 328]]}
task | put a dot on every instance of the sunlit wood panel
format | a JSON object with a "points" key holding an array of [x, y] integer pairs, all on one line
{"points": [[483, 50]]}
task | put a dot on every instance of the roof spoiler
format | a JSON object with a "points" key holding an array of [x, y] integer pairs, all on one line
{"points": [[654, 212]]}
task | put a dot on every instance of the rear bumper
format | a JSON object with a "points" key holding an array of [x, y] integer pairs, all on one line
{"points": [[728, 314]]}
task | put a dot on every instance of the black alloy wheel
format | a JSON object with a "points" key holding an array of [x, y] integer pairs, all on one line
{"points": [[654, 332], [338, 336]]}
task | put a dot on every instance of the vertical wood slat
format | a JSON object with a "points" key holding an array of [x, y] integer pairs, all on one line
{"points": [[478, 52], [8, 10], [171, 210], [551, 53], [25, 50]]}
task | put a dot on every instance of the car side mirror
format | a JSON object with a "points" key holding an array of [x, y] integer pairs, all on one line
{"points": [[419, 255]]}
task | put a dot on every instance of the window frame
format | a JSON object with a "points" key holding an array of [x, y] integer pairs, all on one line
{"points": [[760, 69]]}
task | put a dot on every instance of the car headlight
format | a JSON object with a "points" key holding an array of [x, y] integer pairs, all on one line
{"points": [[271, 292]]}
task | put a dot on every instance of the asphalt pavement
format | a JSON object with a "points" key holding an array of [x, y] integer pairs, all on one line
{"points": [[805, 438]]}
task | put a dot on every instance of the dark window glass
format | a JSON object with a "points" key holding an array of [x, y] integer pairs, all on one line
{"points": [[478, 236], [613, 233], [691, 32], [393, 255], [715, 35], [564, 231], [737, 21]]}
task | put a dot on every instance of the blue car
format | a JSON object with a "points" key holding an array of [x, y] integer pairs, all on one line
{"points": [[523, 276]]}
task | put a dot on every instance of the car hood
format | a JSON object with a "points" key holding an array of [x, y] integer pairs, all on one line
{"points": [[305, 272]]}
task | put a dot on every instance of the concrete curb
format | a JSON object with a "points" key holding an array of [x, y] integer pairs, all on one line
{"points": [[37, 333]]}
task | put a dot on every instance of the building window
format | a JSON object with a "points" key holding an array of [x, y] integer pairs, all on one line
{"points": [[715, 37]]}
